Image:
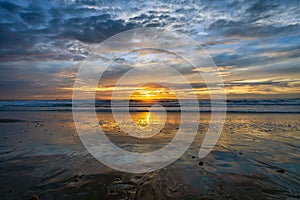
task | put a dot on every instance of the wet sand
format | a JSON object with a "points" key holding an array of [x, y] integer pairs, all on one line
{"points": [[257, 157]]}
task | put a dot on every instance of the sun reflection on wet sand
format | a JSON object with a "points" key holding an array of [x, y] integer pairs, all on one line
{"points": [[142, 119], [162, 127], [146, 119]]}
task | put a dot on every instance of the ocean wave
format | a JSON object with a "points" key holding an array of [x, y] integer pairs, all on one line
{"points": [[233, 106]]}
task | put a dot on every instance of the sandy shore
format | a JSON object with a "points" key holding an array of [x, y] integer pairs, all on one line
{"points": [[257, 157]]}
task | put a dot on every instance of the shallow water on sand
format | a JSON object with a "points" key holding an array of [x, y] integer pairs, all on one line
{"points": [[256, 157]]}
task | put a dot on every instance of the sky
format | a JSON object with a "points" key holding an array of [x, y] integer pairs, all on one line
{"points": [[254, 43]]}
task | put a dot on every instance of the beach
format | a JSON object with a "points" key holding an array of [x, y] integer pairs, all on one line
{"points": [[149, 100], [256, 157]]}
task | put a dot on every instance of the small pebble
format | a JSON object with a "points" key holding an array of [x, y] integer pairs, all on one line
{"points": [[76, 179], [280, 171], [117, 180], [35, 197], [201, 163], [193, 157]]}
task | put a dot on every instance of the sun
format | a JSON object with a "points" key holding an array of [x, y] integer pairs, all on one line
{"points": [[152, 92]]}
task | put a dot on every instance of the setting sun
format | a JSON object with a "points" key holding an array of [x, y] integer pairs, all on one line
{"points": [[153, 92]]}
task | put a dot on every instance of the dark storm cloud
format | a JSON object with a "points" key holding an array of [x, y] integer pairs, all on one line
{"points": [[22, 28], [242, 29], [10, 7], [27, 24], [94, 29], [32, 18]]}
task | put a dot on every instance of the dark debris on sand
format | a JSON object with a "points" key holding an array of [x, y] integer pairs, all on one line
{"points": [[143, 187], [201, 163], [280, 171], [34, 197]]}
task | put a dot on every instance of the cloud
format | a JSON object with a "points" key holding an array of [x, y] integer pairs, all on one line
{"points": [[94, 29], [241, 29], [10, 7], [261, 37], [26, 24], [27, 79]]}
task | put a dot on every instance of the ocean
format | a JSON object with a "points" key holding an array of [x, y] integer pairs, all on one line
{"points": [[291, 105]]}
